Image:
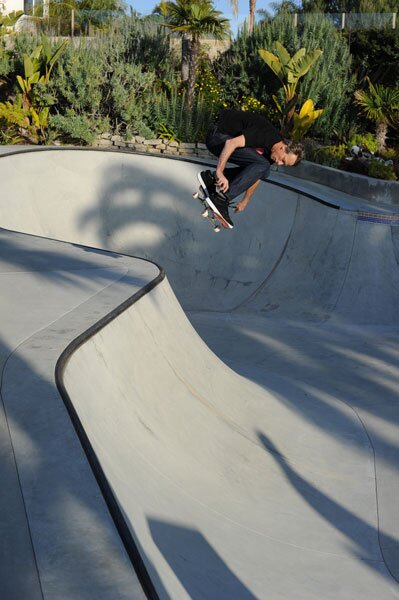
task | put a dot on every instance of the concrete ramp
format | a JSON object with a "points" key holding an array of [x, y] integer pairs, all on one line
{"points": [[227, 492], [255, 455]]}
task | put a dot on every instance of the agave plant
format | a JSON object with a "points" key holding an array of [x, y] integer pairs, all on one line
{"points": [[380, 104]]}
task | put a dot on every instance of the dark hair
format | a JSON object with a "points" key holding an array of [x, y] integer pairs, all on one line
{"points": [[297, 149]]}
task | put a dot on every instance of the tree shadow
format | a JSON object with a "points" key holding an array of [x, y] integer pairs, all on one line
{"points": [[342, 380], [198, 567], [356, 530], [314, 369], [56, 531], [313, 357], [50, 259], [55, 526], [148, 211]]}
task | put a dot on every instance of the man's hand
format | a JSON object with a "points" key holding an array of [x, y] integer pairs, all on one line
{"points": [[221, 182], [228, 149], [243, 204], [240, 206]]}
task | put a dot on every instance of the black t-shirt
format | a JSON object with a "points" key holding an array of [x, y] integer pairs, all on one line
{"points": [[257, 130]]}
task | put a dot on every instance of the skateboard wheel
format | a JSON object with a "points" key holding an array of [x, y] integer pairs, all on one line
{"points": [[195, 195], [217, 229], [205, 213]]}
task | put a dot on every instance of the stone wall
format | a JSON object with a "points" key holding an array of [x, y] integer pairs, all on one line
{"points": [[153, 146]]}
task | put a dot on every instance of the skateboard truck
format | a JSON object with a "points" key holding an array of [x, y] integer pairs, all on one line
{"points": [[207, 213]]}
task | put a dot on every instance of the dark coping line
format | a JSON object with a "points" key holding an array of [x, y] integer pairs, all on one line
{"points": [[106, 490]]}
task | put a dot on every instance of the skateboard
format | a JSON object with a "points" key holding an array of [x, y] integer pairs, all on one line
{"points": [[207, 212]]}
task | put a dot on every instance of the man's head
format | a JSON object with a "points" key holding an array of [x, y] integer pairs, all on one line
{"points": [[287, 153]]}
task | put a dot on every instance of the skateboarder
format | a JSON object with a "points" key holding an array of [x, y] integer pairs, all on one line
{"points": [[252, 142]]}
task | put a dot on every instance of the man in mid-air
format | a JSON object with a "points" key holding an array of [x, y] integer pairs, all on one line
{"points": [[250, 141]]}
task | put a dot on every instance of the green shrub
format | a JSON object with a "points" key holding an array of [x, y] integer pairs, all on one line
{"points": [[329, 83], [209, 87], [79, 81], [12, 63], [377, 168], [7, 62], [116, 79], [130, 93], [375, 53], [390, 154], [365, 140], [189, 125], [242, 72], [312, 148], [75, 129], [141, 42], [329, 156]]}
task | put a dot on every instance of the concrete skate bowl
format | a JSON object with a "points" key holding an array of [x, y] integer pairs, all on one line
{"points": [[255, 455]]}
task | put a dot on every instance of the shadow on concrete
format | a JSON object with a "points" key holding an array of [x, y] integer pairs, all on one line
{"points": [[356, 530], [49, 259], [309, 367], [313, 368], [40, 493], [143, 214], [198, 567]]}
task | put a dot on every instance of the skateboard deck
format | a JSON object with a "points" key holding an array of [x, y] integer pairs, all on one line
{"points": [[216, 220]]}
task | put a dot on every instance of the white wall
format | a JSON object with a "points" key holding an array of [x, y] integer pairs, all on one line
{"points": [[8, 6]]}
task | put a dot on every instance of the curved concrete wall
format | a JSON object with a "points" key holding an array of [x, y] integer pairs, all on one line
{"points": [[230, 490], [143, 206], [186, 445], [370, 188]]}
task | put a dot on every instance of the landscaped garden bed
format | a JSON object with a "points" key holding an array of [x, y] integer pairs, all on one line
{"points": [[127, 86]]}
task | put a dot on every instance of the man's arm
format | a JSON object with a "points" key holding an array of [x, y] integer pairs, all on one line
{"points": [[229, 147], [242, 205]]}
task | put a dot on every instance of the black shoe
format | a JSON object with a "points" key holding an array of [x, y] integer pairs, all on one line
{"points": [[220, 206], [207, 181]]}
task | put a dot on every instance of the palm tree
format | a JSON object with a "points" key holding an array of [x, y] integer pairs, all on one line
{"points": [[194, 18], [251, 20], [380, 104], [252, 8], [284, 7], [234, 6]]}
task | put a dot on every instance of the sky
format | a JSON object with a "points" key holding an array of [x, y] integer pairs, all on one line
{"points": [[146, 6]]}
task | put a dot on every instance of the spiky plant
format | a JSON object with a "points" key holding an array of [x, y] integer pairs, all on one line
{"points": [[380, 105]]}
